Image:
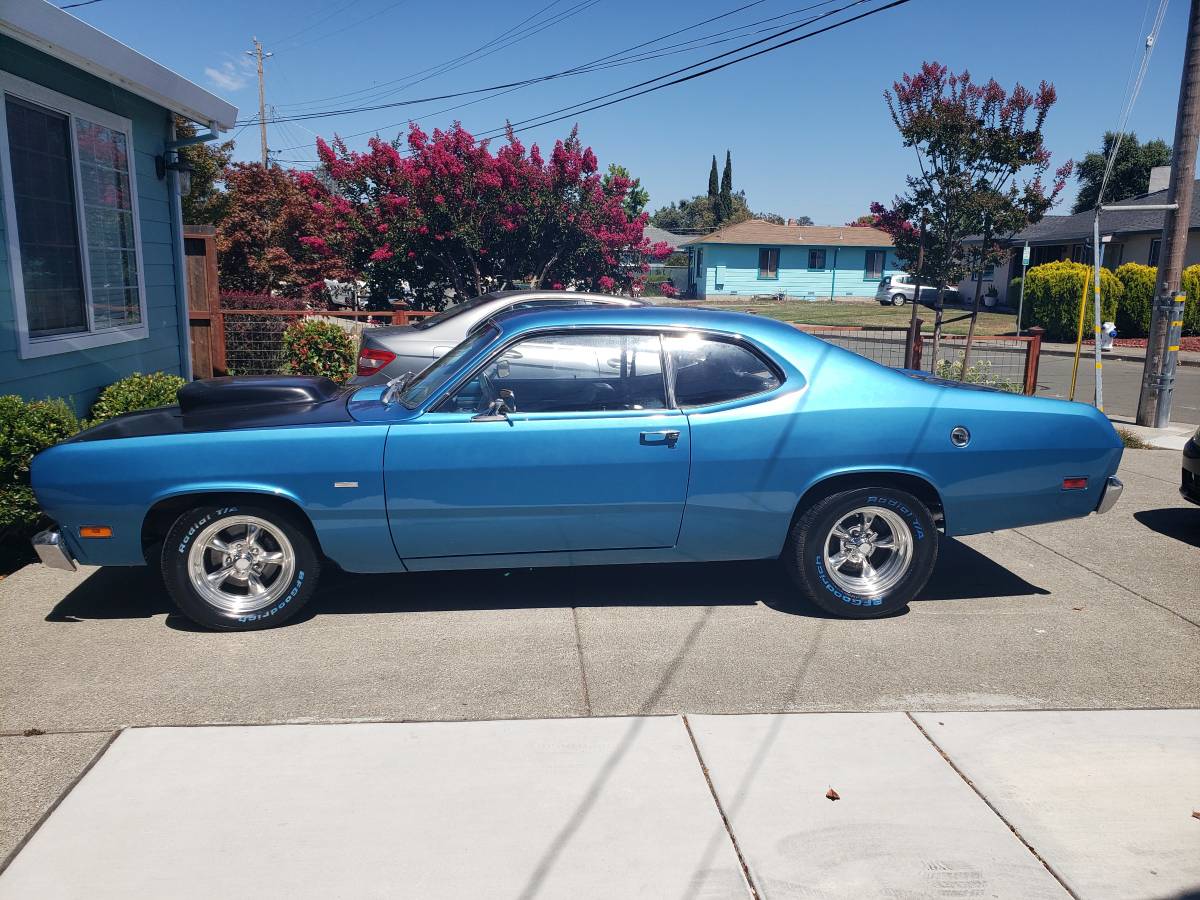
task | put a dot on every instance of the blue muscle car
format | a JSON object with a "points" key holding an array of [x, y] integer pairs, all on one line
{"points": [[572, 437]]}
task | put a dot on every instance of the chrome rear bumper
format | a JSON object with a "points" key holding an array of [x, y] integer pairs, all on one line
{"points": [[52, 551], [1111, 494]]}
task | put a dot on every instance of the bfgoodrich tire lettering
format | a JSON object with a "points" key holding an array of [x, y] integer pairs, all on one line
{"points": [[239, 567], [863, 553]]}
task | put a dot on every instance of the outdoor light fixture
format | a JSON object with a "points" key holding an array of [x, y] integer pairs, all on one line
{"points": [[179, 165]]}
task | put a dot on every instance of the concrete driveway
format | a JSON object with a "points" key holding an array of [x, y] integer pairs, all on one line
{"points": [[1093, 614]]}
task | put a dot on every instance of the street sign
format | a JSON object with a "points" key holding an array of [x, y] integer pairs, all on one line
{"points": [[1025, 256]]}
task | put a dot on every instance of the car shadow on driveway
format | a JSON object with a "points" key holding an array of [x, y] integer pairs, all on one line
{"points": [[1179, 522], [962, 573]]}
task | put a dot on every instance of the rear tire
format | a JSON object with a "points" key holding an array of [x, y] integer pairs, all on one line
{"points": [[863, 553], [239, 567], [899, 299]]}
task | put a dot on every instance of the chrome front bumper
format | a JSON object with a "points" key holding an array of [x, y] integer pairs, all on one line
{"points": [[1111, 494], [52, 551]]}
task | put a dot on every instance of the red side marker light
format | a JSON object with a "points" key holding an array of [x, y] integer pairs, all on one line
{"points": [[1074, 484]]}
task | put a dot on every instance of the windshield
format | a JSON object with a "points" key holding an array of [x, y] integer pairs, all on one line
{"points": [[431, 379], [450, 312]]}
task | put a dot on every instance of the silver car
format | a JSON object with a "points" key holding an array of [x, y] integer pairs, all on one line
{"points": [[896, 290], [392, 350]]}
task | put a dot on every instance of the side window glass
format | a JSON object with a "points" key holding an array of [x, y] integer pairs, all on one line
{"points": [[571, 373], [710, 371]]}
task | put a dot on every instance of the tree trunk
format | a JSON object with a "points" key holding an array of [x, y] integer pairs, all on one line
{"points": [[987, 240], [937, 327], [545, 269]]}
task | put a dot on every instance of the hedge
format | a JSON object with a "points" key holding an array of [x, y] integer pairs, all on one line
{"points": [[1133, 313], [1052, 293], [26, 428], [136, 392], [1191, 306]]}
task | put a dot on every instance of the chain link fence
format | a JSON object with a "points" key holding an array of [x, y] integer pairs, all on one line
{"points": [[1006, 362]]}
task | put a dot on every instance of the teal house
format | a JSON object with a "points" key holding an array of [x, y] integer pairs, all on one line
{"points": [[800, 262], [92, 274]]}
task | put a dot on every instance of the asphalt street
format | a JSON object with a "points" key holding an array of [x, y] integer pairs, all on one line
{"points": [[1098, 613], [1122, 382]]}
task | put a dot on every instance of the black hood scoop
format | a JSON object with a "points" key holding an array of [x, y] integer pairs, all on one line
{"points": [[214, 394], [232, 404]]}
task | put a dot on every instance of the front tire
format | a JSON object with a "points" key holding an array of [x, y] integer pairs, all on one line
{"points": [[899, 299], [863, 553], [239, 567]]}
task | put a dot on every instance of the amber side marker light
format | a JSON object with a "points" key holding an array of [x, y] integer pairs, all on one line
{"points": [[95, 531], [1074, 484]]}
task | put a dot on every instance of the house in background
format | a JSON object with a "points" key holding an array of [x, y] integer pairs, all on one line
{"points": [[802, 262], [1135, 237], [92, 275]]}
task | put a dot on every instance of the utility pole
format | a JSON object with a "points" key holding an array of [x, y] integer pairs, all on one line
{"points": [[1162, 348], [259, 56]]}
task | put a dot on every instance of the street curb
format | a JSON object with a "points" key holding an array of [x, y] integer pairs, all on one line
{"points": [[1124, 357]]}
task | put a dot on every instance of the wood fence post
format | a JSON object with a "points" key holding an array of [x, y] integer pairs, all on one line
{"points": [[918, 344], [1033, 353]]}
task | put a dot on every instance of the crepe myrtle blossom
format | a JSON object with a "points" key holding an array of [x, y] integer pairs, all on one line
{"points": [[446, 211]]}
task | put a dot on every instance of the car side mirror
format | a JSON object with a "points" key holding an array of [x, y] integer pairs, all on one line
{"points": [[499, 408]]}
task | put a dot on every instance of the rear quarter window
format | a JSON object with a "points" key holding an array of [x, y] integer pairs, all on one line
{"points": [[708, 371]]}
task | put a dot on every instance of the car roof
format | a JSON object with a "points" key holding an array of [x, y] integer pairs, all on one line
{"points": [[758, 327], [519, 295]]}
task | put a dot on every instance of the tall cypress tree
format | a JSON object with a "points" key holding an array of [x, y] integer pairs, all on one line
{"points": [[726, 202], [713, 190]]}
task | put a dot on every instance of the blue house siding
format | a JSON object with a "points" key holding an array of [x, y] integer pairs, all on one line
{"points": [[732, 270], [78, 375]]}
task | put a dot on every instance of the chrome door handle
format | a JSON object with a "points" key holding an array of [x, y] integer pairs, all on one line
{"points": [[654, 438]]}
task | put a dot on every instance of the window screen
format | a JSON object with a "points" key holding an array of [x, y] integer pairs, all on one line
{"points": [[768, 262], [39, 143]]}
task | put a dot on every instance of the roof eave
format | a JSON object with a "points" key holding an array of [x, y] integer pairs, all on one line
{"points": [[79, 44]]}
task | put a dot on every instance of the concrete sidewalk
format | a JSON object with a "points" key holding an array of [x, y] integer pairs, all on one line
{"points": [[1024, 804]]}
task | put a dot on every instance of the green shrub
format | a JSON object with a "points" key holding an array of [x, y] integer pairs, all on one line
{"points": [[1133, 312], [136, 392], [316, 347], [1052, 294], [979, 373], [1191, 305], [26, 427]]}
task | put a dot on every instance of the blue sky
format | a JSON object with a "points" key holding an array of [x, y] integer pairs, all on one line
{"points": [[807, 125]]}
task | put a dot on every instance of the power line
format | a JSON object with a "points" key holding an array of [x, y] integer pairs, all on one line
{"points": [[337, 11], [75, 5], [594, 103], [327, 35], [590, 66]]}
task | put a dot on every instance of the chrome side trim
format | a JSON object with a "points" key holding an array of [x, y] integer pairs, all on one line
{"points": [[1112, 493], [52, 551]]}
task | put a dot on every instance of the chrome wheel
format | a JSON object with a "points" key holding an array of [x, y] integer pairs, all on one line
{"points": [[241, 564], [868, 551]]}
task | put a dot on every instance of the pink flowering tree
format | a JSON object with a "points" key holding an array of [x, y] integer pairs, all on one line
{"points": [[982, 164], [445, 213]]}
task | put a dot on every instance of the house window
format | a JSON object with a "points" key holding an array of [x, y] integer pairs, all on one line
{"points": [[816, 259], [71, 216], [1113, 255], [1155, 245], [874, 267], [768, 262]]}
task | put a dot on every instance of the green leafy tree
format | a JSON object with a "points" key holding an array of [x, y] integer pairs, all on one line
{"points": [[206, 203], [636, 196], [1131, 171], [725, 206], [714, 188], [981, 159]]}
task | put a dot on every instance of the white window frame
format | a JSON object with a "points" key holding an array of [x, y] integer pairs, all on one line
{"points": [[33, 347]]}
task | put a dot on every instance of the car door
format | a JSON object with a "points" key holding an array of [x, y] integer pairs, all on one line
{"points": [[588, 455]]}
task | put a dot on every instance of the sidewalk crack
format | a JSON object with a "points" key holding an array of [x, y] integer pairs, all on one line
{"points": [[1100, 574], [999, 815], [8, 860], [587, 697], [721, 810]]}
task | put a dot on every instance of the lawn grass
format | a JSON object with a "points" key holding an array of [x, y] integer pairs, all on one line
{"points": [[842, 312]]}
